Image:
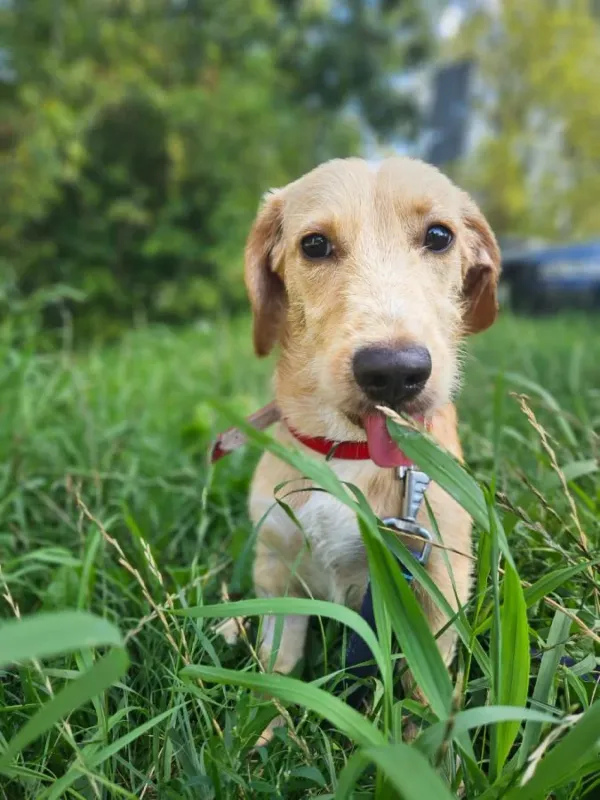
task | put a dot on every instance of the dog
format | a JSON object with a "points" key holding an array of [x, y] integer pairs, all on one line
{"points": [[368, 277]]}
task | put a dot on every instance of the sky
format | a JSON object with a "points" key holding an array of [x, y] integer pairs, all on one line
{"points": [[453, 15], [450, 21]]}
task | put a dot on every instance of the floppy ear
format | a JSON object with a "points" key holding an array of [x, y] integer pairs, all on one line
{"points": [[265, 287], [480, 280]]}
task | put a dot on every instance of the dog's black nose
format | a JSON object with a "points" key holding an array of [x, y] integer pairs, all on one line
{"points": [[390, 376]]}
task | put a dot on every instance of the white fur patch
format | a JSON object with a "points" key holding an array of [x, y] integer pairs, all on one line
{"points": [[337, 562]]}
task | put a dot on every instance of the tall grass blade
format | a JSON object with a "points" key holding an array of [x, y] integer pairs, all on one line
{"points": [[292, 605], [446, 471], [94, 760], [430, 741], [410, 626], [49, 634], [550, 401], [291, 690], [515, 661], [99, 677], [555, 646], [563, 761], [442, 468], [405, 769]]}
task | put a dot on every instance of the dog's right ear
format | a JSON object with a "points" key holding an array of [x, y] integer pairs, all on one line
{"points": [[265, 287], [480, 282]]}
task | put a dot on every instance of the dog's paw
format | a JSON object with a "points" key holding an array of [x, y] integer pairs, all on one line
{"points": [[267, 735], [231, 629], [410, 731]]}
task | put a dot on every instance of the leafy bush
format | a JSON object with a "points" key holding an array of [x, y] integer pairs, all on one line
{"points": [[138, 138]]}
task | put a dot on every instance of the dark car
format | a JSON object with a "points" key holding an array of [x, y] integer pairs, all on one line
{"points": [[547, 279]]}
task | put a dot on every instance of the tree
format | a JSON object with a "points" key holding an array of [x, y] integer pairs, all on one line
{"points": [[353, 52], [537, 166], [139, 137]]}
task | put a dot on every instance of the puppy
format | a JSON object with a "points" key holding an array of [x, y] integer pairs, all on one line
{"points": [[368, 277]]}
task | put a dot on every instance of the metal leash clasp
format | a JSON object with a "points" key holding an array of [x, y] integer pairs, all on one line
{"points": [[415, 484]]}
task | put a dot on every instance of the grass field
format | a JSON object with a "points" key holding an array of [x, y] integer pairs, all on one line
{"points": [[107, 506]]}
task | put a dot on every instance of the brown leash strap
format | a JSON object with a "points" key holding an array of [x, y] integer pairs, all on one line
{"points": [[233, 438]]}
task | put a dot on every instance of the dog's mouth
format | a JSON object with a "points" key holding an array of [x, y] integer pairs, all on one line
{"points": [[383, 450]]}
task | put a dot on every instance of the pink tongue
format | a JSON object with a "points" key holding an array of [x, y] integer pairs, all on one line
{"points": [[383, 451]]}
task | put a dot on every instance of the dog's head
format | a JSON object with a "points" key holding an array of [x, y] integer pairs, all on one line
{"points": [[368, 276]]}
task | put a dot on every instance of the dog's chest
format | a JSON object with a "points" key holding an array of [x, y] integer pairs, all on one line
{"points": [[331, 527], [335, 560]]}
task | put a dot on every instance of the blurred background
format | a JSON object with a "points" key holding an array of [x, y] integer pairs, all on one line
{"points": [[136, 140], [137, 136]]}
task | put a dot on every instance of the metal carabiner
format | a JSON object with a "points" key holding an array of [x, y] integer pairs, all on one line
{"points": [[415, 485]]}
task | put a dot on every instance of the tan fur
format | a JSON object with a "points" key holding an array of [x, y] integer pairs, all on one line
{"points": [[381, 287]]}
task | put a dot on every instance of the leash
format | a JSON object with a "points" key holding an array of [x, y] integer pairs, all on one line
{"points": [[232, 439], [359, 662], [359, 658]]}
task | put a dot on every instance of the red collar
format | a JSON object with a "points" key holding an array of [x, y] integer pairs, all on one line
{"points": [[232, 439], [346, 451]]}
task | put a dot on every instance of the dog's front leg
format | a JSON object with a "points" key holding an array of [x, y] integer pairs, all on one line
{"points": [[282, 658], [274, 576], [281, 646], [283, 655]]}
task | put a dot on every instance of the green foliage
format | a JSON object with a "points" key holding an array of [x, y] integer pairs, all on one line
{"points": [[537, 166], [107, 507], [138, 137]]}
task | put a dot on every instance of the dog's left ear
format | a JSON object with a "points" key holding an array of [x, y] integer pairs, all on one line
{"points": [[482, 272], [265, 286]]}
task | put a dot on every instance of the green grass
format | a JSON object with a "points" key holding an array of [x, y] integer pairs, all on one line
{"points": [[107, 508]]}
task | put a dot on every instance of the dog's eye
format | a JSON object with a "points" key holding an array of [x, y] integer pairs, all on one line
{"points": [[438, 238], [315, 246]]}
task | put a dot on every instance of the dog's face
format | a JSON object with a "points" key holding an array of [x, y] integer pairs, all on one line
{"points": [[369, 276]]}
